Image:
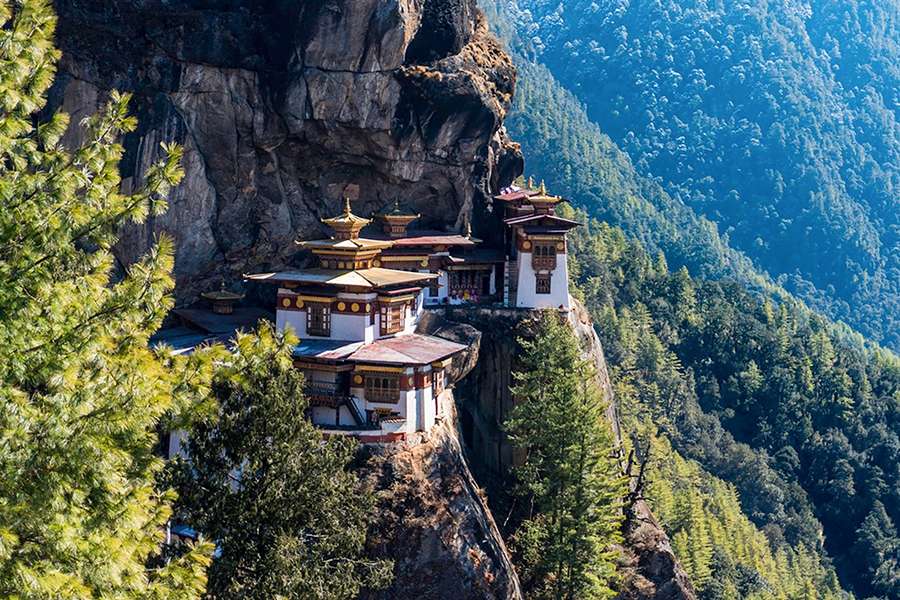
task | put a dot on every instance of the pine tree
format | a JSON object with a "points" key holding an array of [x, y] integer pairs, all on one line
{"points": [[569, 475], [288, 517], [81, 394], [878, 545]]}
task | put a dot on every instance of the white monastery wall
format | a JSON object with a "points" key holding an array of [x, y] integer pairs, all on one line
{"points": [[527, 296]]}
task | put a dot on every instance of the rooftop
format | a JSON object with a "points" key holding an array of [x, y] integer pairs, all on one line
{"points": [[200, 326], [397, 212], [431, 238], [406, 349], [542, 219], [410, 349], [350, 244], [346, 220], [222, 295], [325, 349], [364, 278]]}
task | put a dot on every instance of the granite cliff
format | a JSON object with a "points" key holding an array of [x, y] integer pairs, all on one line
{"points": [[649, 568], [283, 107]]}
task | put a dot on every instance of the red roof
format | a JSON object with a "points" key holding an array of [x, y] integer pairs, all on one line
{"points": [[413, 349], [433, 240], [513, 194], [542, 218]]}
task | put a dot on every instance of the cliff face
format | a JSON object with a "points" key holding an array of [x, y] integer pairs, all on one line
{"points": [[434, 523], [284, 106], [650, 569]]}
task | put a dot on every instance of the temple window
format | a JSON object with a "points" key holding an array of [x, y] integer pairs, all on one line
{"points": [[544, 256], [382, 388], [318, 319], [434, 287], [542, 283], [437, 382], [391, 318], [463, 280]]}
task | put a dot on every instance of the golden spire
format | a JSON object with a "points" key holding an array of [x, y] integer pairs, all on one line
{"points": [[542, 201], [468, 229], [347, 225], [531, 182]]}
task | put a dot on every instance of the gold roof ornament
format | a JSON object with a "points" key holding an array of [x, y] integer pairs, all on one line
{"points": [[397, 211], [222, 295], [542, 201], [346, 225], [396, 220], [531, 182], [222, 300]]}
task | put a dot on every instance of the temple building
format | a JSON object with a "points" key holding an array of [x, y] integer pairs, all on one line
{"points": [[368, 373], [356, 311], [465, 273], [536, 273]]}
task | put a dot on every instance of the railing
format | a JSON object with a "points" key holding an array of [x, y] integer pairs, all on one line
{"points": [[322, 393], [543, 262], [389, 396]]}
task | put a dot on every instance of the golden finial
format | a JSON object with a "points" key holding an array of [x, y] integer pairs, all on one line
{"points": [[468, 229], [543, 188], [346, 205], [531, 182]]}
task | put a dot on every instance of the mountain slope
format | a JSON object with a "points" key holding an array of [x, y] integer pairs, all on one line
{"points": [[800, 420], [775, 120]]}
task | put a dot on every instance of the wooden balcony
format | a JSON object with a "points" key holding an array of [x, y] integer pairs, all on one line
{"points": [[330, 395], [386, 396], [543, 263]]}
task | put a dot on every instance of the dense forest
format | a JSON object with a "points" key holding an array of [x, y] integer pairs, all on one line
{"points": [[800, 419], [776, 121]]}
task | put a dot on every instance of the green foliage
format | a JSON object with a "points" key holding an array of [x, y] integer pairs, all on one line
{"points": [[569, 479], [724, 553], [801, 419], [777, 121], [288, 517], [81, 395], [878, 547]]}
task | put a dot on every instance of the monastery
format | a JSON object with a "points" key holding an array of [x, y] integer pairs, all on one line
{"points": [[369, 373]]}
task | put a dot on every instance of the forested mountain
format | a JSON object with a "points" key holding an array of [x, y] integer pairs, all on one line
{"points": [[775, 120], [803, 422]]}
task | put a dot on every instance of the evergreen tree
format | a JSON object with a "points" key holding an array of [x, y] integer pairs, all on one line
{"points": [[288, 518], [569, 477], [879, 549], [81, 394]]}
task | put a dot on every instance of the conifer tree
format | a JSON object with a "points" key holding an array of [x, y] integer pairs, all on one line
{"points": [[288, 518], [81, 393], [879, 546], [569, 476]]}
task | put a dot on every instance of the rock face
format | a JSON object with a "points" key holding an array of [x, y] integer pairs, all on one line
{"points": [[435, 525], [650, 569], [284, 106]]}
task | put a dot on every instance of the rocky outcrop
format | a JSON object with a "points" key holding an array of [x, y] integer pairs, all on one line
{"points": [[650, 569], [285, 106], [434, 523]]}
